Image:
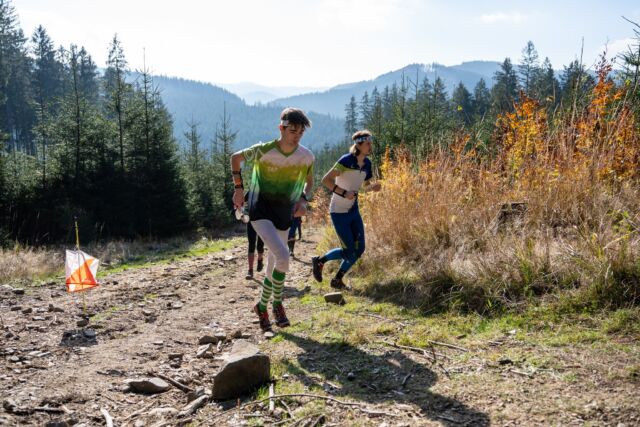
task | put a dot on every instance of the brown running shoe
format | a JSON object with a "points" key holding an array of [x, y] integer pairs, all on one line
{"points": [[280, 316], [263, 316]]}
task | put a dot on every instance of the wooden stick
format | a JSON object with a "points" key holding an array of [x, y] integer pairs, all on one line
{"points": [[107, 417], [272, 403], [444, 344], [384, 318], [192, 407], [173, 382], [139, 411]]}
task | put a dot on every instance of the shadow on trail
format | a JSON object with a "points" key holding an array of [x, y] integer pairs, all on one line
{"points": [[389, 377]]}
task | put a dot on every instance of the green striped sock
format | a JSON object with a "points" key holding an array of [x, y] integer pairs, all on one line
{"points": [[278, 286], [266, 294]]}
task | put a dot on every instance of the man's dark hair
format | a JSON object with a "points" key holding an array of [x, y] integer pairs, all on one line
{"points": [[295, 116]]}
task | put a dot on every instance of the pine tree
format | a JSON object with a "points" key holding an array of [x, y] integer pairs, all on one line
{"points": [[47, 82], [365, 110], [575, 83], [224, 139], [546, 86], [462, 104], [505, 89], [351, 117], [528, 68], [481, 99], [116, 91]]}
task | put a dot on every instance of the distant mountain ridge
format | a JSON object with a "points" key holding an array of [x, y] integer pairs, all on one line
{"points": [[332, 101], [204, 103], [253, 93]]}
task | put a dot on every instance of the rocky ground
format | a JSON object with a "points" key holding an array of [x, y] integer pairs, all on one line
{"points": [[151, 322]]}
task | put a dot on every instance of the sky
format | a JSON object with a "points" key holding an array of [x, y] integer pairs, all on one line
{"points": [[323, 43]]}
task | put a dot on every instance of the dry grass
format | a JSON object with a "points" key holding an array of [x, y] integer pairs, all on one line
{"points": [[33, 264], [28, 264], [435, 231]]}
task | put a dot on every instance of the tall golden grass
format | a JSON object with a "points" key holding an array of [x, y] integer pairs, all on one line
{"points": [[435, 232]]}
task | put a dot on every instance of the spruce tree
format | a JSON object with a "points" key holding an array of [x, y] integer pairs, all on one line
{"points": [[505, 89]]}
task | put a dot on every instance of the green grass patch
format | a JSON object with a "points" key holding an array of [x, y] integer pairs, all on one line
{"points": [[170, 254]]}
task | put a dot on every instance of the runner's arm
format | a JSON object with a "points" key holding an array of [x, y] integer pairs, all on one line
{"points": [[329, 181], [236, 164]]}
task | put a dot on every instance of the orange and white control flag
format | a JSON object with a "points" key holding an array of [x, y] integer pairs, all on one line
{"points": [[81, 270]]}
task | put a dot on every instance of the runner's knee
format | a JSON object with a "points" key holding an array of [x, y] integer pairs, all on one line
{"points": [[282, 258]]}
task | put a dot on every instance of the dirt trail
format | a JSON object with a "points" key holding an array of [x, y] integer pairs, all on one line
{"points": [[141, 317], [150, 319]]}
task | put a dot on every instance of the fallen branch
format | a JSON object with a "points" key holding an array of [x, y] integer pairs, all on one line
{"points": [[107, 417], [192, 407], [173, 382], [432, 355], [356, 405], [444, 344], [272, 403], [404, 381], [526, 374], [375, 316], [139, 411]]}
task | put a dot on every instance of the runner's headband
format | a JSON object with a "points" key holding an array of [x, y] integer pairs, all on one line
{"points": [[364, 138]]}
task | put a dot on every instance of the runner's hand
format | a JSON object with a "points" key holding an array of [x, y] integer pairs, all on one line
{"points": [[238, 198], [300, 208], [350, 195], [376, 186]]}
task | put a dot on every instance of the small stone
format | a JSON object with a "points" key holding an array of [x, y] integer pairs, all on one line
{"points": [[232, 301], [221, 336], [334, 298], [221, 286], [82, 323], [38, 319], [16, 308], [237, 334], [208, 339], [268, 335], [27, 310], [89, 334], [351, 376], [14, 359], [173, 356], [54, 309], [204, 350], [158, 343], [147, 312], [18, 291], [147, 385], [505, 361]]}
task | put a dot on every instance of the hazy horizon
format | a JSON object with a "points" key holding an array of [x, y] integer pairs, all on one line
{"points": [[328, 42]]}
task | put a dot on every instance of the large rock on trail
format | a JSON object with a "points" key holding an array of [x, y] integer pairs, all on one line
{"points": [[245, 369]]}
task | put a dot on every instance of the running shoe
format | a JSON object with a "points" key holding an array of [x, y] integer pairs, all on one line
{"points": [[265, 323], [317, 268], [259, 266], [337, 283], [280, 316], [249, 275]]}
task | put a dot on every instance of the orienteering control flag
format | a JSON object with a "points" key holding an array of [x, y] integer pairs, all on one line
{"points": [[81, 270]]}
